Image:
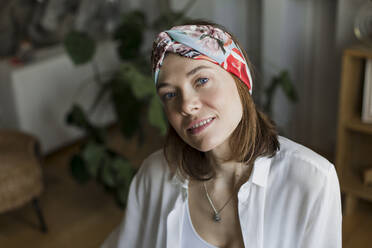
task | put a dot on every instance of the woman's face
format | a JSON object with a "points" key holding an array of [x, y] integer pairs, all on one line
{"points": [[201, 102]]}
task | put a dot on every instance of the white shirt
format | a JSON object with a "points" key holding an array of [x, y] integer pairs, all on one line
{"points": [[291, 200]]}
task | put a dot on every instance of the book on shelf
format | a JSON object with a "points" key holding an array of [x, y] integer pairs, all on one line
{"points": [[367, 93], [367, 176]]}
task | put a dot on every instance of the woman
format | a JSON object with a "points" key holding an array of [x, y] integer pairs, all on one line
{"points": [[224, 177]]}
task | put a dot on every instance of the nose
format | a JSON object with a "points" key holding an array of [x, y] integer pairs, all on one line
{"points": [[190, 104]]}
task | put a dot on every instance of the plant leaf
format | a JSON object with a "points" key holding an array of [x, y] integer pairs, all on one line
{"points": [[124, 170], [129, 34], [287, 86], [127, 107], [93, 155], [142, 86], [166, 20], [78, 169], [77, 117], [80, 47], [107, 174]]}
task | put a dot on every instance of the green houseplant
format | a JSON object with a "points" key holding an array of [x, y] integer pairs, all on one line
{"points": [[132, 95], [281, 81]]}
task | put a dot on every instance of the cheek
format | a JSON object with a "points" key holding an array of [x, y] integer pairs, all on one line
{"points": [[225, 98], [230, 107], [173, 119], [215, 96]]}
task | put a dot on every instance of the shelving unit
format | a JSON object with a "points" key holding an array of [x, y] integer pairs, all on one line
{"points": [[354, 144], [357, 125]]}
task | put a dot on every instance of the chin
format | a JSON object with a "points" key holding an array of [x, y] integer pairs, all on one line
{"points": [[203, 149], [206, 146]]}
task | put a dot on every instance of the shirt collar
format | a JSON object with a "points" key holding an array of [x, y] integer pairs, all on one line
{"points": [[260, 174], [178, 180], [261, 169]]}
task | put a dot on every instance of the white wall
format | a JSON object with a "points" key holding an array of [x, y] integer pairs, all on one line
{"points": [[302, 36], [346, 12], [325, 81], [279, 50], [231, 14], [307, 38]]}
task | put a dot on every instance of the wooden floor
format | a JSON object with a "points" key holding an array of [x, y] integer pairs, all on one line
{"points": [[82, 216], [78, 216], [357, 228]]}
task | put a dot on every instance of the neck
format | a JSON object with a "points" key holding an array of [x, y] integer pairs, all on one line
{"points": [[229, 172]]}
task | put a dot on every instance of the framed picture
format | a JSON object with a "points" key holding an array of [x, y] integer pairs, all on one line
{"points": [[367, 94]]}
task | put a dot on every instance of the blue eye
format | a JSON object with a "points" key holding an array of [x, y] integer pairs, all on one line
{"points": [[168, 96], [202, 81]]}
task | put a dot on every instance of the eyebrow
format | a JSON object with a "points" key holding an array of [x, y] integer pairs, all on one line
{"points": [[190, 73], [196, 69]]}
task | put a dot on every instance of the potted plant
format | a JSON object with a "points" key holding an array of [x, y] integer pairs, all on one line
{"points": [[133, 96]]}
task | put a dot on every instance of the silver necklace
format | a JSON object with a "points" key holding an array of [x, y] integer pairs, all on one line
{"points": [[217, 214]]}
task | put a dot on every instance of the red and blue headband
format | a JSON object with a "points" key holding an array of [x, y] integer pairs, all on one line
{"points": [[201, 42]]}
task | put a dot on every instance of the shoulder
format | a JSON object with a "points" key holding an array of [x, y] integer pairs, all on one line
{"points": [[295, 152], [153, 168], [298, 166], [154, 177], [154, 163], [292, 154]]}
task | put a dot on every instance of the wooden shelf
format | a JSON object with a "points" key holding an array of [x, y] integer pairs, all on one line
{"points": [[357, 125], [351, 183], [353, 144], [360, 51]]}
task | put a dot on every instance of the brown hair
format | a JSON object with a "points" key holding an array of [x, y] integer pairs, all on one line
{"points": [[255, 136]]}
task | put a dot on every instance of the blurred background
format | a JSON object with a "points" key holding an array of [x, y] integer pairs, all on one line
{"points": [[78, 110]]}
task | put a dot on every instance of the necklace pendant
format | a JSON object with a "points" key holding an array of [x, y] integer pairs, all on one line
{"points": [[217, 217]]}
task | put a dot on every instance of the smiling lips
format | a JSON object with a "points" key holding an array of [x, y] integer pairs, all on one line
{"points": [[198, 127]]}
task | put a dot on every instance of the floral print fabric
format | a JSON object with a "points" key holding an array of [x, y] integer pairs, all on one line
{"points": [[201, 42]]}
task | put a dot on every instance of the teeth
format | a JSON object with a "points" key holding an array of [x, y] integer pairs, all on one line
{"points": [[201, 123]]}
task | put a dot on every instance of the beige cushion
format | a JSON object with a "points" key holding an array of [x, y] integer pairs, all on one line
{"points": [[20, 170]]}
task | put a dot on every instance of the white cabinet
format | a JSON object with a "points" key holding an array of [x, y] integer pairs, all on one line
{"points": [[36, 97]]}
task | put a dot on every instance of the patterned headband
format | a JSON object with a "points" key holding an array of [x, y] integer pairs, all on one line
{"points": [[201, 42]]}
